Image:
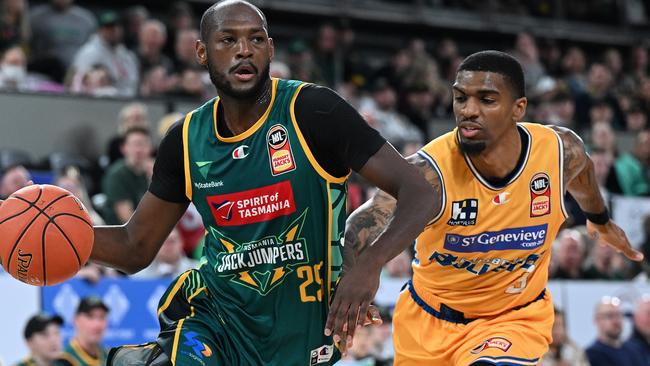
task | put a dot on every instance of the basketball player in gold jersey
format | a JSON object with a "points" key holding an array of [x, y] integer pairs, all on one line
{"points": [[478, 294]]}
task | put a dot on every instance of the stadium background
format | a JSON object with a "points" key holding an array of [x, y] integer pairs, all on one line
{"points": [[586, 65]]}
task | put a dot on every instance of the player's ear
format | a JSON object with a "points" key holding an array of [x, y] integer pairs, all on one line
{"points": [[519, 110], [201, 53], [271, 49]]}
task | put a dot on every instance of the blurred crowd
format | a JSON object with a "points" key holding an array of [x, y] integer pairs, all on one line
{"points": [[60, 47]]}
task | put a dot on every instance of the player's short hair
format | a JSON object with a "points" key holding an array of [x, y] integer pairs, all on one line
{"points": [[500, 63], [209, 19]]}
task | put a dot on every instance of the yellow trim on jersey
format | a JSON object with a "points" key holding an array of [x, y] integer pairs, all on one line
{"points": [[561, 159], [173, 292], [186, 156], [85, 357], [325, 175], [329, 242], [177, 336], [69, 359], [254, 127]]}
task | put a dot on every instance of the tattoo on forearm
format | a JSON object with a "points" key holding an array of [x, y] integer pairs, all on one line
{"points": [[371, 219]]}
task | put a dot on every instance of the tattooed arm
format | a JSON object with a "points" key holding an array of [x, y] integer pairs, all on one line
{"points": [[580, 181], [368, 221]]}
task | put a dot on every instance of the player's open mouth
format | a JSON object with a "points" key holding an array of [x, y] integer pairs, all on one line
{"points": [[469, 131], [244, 73]]}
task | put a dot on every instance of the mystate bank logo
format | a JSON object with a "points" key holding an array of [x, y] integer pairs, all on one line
{"points": [[253, 205], [262, 264]]}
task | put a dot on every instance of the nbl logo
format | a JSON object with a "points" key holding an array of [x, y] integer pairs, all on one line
{"points": [[464, 213]]}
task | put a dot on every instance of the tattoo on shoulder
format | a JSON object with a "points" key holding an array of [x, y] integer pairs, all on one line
{"points": [[431, 175], [575, 157]]}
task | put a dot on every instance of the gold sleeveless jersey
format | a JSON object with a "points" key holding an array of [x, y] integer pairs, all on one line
{"points": [[489, 248]]}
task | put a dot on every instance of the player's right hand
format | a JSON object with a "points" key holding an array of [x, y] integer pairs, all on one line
{"points": [[612, 235]]}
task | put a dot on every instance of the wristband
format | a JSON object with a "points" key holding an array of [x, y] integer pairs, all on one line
{"points": [[598, 218]]}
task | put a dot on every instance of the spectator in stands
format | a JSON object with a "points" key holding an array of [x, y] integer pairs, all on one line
{"points": [[170, 261], [636, 118], [180, 18], [72, 180], [151, 40], [134, 18], [360, 354], [639, 341], [158, 82], [126, 180], [90, 323], [14, 24], [608, 348], [599, 91], [301, 62], [638, 66], [574, 64], [381, 114], [603, 137], [59, 29], [569, 255], [97, 82], [131, 115], [13, 179], [327, 56], [106, 48], [382, 340], [419, 107], [14, 75], [43, 337], [606, 264], [184, 50], [614, 62], [562, 110], [632, 168], [604, 172], [448, 56], [527, 54], [190, 85], [563, 351]]}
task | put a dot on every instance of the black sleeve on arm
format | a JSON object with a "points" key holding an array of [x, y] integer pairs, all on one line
{"points": [[338, 137], [168, 181]]}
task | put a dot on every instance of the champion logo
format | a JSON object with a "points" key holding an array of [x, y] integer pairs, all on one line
{"points": [[501, 198], [240, 152]]}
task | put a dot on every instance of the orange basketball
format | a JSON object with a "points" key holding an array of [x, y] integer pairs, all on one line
{"points": [[46, 235]]}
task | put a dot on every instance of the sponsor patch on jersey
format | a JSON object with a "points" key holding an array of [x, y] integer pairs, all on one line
{"points": [[501, 198], [240, 152], [464, 213], [494, 342], [262, 264], [521, 238], [540, 195], [279, 147], [254, 205], [321, 354]]}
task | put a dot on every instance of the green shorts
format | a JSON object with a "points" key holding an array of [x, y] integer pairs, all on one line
{"points": [[196, 328]]}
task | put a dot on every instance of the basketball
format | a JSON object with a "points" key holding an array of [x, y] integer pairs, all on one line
{"points": [[46, 235]]}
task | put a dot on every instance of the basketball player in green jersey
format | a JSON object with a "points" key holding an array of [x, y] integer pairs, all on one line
{"points": [[265, 164]]}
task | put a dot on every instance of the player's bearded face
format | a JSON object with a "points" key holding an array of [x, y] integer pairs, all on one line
{"points": [[222, 82], [483, 107]]}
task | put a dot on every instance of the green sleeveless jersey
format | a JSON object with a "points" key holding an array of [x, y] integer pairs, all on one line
{"points": [[275, 220]]}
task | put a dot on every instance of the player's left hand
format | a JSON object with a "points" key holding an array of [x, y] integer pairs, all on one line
{"points": [[614, 236], [353, 295], [372, 318]]}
